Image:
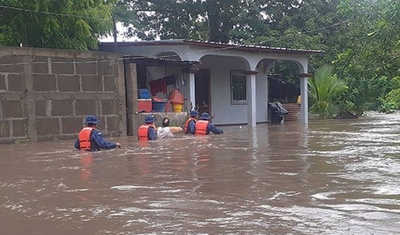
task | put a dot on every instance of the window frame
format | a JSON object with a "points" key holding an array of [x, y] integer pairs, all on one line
{"points": [[238, 81]]}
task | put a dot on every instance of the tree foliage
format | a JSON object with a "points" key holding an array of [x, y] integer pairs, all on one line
{"points": [[67, 24], [370, 58]]}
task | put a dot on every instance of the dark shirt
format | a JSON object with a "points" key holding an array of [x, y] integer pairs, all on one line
{"points": [[152, 133], [97, 141], [213, 129], [191, 127]]}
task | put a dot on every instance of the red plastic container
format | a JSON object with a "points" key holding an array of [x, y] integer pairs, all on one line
{"points": [[145, 105]]}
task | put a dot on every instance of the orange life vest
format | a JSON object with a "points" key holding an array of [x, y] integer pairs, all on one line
{"points": [[201, 127], [84, 139], [186, 127], [143, 132]]}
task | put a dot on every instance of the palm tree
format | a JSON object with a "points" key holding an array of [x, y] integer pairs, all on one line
{"points": [[325, 92]]}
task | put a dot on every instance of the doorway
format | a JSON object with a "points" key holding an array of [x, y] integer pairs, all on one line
{"points": [[202, 90]]}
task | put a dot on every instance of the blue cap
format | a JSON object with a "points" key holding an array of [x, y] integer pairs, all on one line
{"points": [[149, 119], [205, 116], [194, 113], [90, 119]]}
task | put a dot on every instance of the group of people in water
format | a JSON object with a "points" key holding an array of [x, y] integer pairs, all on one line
{"points": [[91, 139], [201, 126]]}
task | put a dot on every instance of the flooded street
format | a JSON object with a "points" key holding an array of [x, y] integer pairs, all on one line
{"points": [[331, 177]]}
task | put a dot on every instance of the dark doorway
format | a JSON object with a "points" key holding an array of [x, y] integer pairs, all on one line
{"points": [[202, 89], [282, 90]]}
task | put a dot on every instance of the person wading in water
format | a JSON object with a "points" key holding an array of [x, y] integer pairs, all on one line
{"points": [[166, 130], [91, 139]]}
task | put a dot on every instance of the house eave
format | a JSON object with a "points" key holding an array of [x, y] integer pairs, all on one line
{"points": [[217, 45], [156, 60]]}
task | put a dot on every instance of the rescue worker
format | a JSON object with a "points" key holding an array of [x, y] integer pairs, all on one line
{"points": [[147, 131], [166, 130], [204, 126], [190, 124], [91, 139]]}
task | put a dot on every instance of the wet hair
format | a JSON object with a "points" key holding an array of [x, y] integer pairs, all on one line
{"points": [[165, 122]]}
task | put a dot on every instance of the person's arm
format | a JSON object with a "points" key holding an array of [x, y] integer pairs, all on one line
{"points": [[77, 144], [175, 129], [192, 127], [100, 141], [214, 129], [152, 133]]}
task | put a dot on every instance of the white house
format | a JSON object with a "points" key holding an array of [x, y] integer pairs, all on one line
{"points": [[227, 80]]}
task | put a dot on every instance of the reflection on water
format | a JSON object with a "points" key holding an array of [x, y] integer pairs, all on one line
{"points": [[330, 177]]}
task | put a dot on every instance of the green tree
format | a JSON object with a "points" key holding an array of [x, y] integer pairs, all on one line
{"points": [[325, 92], [66, 24], [166, 19], [370, 59], [297, 24]]}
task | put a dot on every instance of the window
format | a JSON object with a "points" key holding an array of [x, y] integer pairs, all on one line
{"points": [[238, 87]]}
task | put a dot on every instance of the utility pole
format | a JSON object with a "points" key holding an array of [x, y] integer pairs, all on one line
{"points": [[115, 33]]}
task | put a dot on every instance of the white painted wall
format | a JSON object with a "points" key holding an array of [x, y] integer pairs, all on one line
{"points": [[225, 112]]}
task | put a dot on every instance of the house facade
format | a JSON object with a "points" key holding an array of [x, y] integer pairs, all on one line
{"points": [[228, 81]]}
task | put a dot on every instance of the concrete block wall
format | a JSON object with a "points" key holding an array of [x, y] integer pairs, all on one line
{"points": [[45, 94]]}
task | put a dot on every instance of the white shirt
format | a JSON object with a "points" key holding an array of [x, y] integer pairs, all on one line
{"points": [[163, 132]]}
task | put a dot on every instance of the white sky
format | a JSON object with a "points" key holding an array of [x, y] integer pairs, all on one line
{"points": [[120, 36]]}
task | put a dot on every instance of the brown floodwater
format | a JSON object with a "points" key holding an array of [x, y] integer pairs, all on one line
{"points": [[330, 177]]}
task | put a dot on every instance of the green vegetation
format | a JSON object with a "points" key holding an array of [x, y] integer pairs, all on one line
{"points": [[66, 24], [325, 92], [361, 38]]}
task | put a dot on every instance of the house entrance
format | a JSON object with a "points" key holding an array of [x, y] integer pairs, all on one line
{"points": [[202, 90]]}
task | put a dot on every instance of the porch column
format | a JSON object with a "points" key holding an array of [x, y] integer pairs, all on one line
{"points": [[131, 95], [267, 96], [191, 86], [304, 97], [251, 97]]}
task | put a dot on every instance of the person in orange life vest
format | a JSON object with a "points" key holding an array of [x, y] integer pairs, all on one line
{"points": [[190, 124], [204, 126], [147, 131], [91, 139]]}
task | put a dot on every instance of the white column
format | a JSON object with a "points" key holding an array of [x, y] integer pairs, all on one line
{"points": [[192, 94], [251, 98], [267, 96], [304, 99], [191, 87]]}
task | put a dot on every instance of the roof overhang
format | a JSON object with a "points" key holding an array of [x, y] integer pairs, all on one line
{"points": [[156, 61], [215, 45]]}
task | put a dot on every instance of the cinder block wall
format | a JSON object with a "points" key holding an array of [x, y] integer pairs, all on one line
{"points": [[45, 94]]}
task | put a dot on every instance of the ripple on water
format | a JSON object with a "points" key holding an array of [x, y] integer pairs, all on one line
{"points": [[133, 187]]}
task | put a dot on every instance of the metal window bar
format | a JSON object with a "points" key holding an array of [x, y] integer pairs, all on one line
{"points": [[238, 88]]}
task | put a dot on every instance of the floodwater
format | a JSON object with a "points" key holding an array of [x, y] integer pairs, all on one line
{"points": [[330, 177]]}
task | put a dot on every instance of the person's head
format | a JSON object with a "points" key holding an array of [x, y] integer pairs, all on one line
{"points": [[165, 122], [205, 116], [92, 120], [194, 113], [149, 119]]}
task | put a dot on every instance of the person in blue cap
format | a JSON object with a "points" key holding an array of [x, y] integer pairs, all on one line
{"points": [[91, 139], [190, 124], [147, 131], [204, 126]]}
